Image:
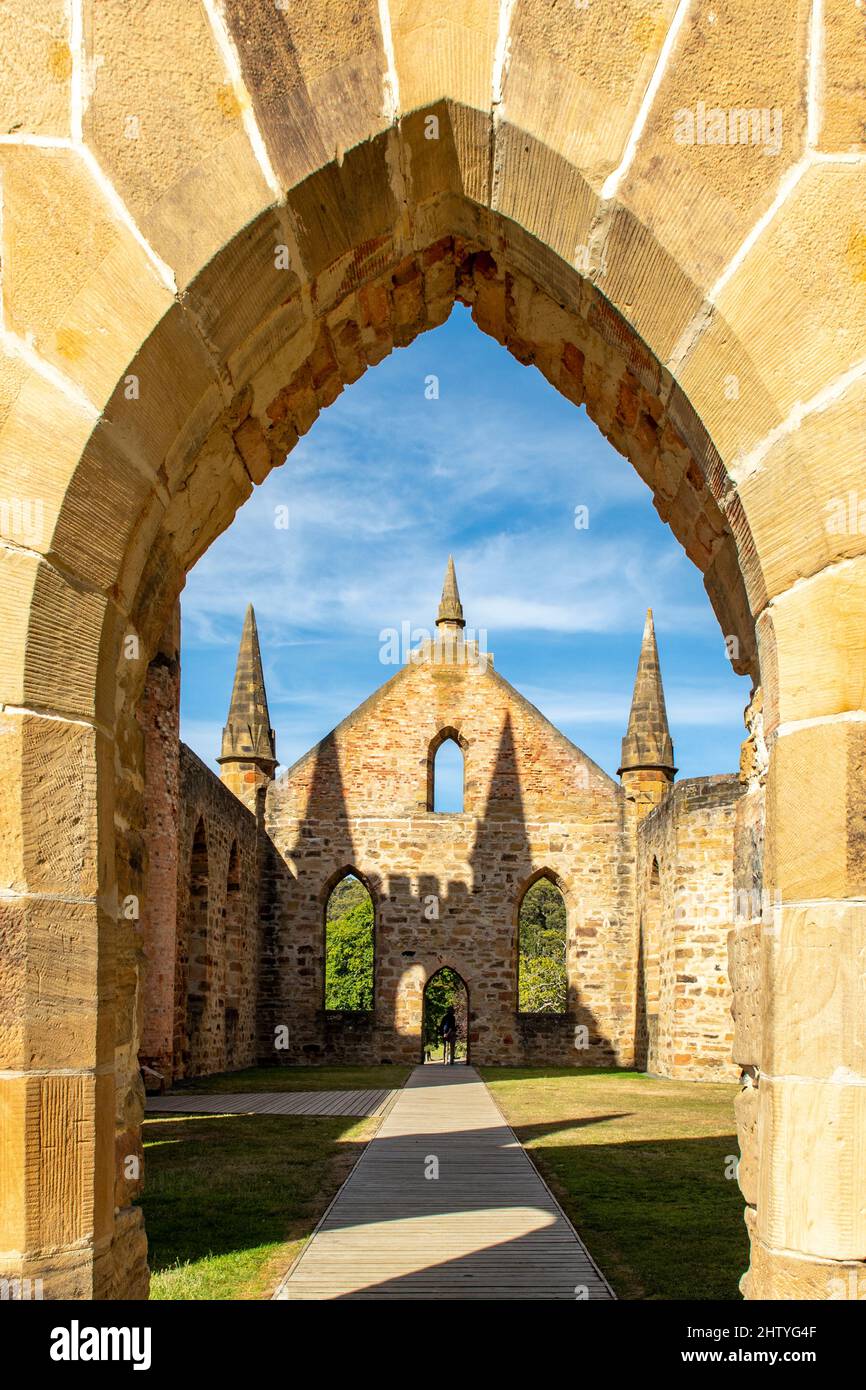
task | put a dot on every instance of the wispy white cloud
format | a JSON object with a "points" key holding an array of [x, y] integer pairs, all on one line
{"points": [[379, 492], [687, 706]]}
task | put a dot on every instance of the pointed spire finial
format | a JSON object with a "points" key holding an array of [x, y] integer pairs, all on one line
{"points": [[647, 744], [248, 736], [450, 608]]}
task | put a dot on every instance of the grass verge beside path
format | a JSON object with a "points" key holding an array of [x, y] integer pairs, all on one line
{"points": [[640, 1167], [297, 1079], [230, 1199]]}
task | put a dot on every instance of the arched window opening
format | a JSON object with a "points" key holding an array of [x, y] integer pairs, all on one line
{"points": [[234, 960], [446, 776], [445, 991], [542, 978], [349, 947], [649, 973], [199, 965]]}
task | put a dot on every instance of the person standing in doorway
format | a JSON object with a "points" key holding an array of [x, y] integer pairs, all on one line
{"points": [[448, 1034]]}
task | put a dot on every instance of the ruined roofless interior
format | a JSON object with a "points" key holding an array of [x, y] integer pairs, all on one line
{"points": [[644, 865]]}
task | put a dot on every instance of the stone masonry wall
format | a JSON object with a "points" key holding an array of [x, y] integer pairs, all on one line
{"points": [[691, 835], [159, 716], [447, 887], [218, 926]]}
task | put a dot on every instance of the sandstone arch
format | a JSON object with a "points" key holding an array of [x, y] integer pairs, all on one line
{"points": [[236, 962], [148, 324], [461, 1002]]}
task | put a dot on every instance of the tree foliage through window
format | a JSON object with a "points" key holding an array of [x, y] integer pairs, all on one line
{"points": [[542, 981], [445, 990], [349, 948]]}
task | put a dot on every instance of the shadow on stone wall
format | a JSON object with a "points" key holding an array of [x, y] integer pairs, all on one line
{"points": [[474, 932]]}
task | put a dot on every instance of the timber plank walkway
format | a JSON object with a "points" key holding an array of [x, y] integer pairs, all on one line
{"points": [[487, 1227], [359, 1103]]}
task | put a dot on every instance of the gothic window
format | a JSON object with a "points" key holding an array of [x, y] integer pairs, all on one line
{"points": [[446, 773], [542, 981], [649, 973], [349, 946]]}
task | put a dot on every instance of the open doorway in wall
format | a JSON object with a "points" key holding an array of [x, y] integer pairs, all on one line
{"points": [[445, 1028]]}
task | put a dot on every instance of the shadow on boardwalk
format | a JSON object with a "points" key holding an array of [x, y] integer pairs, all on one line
{"points": [[444, 1203]]}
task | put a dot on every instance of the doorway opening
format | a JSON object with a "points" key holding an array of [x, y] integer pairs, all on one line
{"points": [[444, 991]]}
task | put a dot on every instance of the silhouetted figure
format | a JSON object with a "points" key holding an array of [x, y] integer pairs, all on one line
{"points": [[448, 1034]]}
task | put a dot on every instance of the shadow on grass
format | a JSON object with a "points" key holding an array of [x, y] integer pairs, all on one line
{"points": [[659, 1216], [226, 1194], [229, 1199], [340, 1078]]}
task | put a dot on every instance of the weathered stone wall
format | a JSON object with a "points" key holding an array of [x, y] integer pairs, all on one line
{"points": [[159, 717], [691, 837], [218, 935], [447, 887]]}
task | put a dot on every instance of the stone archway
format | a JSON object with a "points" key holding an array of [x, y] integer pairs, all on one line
{"points": [[454, 992], [179, 306]]}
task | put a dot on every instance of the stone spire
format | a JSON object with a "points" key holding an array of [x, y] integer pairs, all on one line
{"points": [[450, 616], [647, 767], [249, 752]]}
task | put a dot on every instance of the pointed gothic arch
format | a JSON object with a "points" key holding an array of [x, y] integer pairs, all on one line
{"points": [[445, 987], [541, 940], [349, 945], [649, 970], [683, 359], [446, 738]]}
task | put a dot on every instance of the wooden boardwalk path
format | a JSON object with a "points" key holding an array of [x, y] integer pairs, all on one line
{"points": [[273, 1103], [487, 1227]]}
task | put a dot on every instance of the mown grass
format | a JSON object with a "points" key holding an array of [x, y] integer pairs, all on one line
{"points": [[298, 1079], [640, 1167], [230, 1199]]}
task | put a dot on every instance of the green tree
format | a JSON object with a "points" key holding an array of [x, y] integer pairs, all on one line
{"points": [[349, 949], [542, 977]]}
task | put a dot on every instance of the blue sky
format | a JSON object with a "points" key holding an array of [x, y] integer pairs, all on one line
{"points": [[387, 484]]}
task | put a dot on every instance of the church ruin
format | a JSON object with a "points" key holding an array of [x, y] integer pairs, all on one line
{"points": [[180, 308], [236, 942]]}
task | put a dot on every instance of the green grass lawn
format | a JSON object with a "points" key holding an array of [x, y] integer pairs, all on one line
{"points": [[298, 1079], [639, 1166], [230, 1199]]}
